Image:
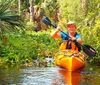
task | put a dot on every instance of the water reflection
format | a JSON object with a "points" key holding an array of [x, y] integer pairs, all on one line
{"points": [[9, 75], [47, 76], [71, 78]]}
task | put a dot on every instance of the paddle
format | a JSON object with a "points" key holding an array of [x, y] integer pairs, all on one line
{"points": [[86, 48]]}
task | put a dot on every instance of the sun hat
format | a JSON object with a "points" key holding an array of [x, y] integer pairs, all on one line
{"points": [[70, 23]]}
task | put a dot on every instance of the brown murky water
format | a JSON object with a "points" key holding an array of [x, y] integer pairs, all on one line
{"points": [[16, 75]]}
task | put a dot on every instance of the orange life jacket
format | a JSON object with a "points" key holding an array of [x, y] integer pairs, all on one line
{"points": [[68, 45]]}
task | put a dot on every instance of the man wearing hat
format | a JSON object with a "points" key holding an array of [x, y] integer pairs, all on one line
{"points": [[73, 35]]}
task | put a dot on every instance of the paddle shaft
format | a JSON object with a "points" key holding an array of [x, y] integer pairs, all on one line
{"points": [[89, 51]]}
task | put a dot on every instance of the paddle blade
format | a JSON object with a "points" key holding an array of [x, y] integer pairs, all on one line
{"points": [[47, 21], [89, 50]]}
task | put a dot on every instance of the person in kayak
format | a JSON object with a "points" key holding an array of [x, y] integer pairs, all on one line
{"points": [[72, 36]]}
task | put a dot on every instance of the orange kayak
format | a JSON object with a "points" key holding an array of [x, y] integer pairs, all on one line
{"points": [[70, 60]]}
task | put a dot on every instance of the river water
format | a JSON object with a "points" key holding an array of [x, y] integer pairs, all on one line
{"points": [[15, 75]]}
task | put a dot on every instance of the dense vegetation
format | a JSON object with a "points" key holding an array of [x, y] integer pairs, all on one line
{"points": [[19, 47], [19, 40]]}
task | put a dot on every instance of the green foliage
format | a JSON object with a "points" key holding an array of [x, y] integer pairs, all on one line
{"points": [[96, 37], [91, 37], [8, 19], [22, 47], [70, 10], [30, 26], [50, 7], [92, 13]]}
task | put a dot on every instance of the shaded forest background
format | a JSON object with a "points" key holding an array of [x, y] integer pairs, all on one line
{"points": [[23, 36]]}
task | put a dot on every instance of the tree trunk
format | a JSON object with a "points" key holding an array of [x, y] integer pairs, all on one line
{"points": [[19, 6], [84, 6], [31, 11]]}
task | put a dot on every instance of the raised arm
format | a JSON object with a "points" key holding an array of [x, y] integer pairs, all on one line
{"points": [[56, 33]]}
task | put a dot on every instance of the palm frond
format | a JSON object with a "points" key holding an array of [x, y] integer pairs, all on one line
{"points": [[6, 15], [4, 5]]}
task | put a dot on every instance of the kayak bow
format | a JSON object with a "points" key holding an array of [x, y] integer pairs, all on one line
{"points": [[70, 60]]}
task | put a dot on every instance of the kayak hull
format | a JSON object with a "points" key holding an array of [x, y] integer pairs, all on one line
{"points": [[70, 60]]}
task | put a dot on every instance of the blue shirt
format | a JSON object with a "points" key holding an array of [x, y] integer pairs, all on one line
{"points": [[65, 37]]}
